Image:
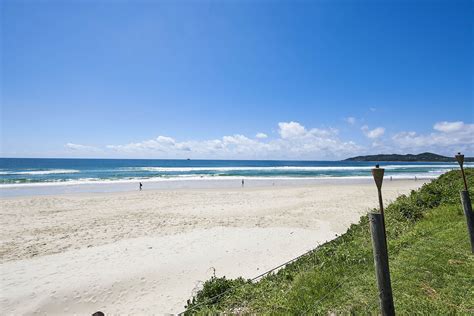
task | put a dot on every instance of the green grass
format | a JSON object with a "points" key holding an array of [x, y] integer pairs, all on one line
{"points": [[431, 265]]}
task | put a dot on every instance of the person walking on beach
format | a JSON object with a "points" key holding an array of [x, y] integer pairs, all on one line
{"points": [[141, 186], [242, 183]]}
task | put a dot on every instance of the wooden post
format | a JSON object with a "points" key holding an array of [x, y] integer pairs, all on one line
{"points": [[466, 202], [382, 271], [378, 173], [460, 158], [467, 206]]}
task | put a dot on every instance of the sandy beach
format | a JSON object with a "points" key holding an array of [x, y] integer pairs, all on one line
{"points": [[146, 252]]}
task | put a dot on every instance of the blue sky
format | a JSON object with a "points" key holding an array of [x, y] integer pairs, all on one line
{"points": [[200, 79]]}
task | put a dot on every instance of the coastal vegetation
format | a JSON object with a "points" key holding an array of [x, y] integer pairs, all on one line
{"points": [[431, 265], [428, 157]]}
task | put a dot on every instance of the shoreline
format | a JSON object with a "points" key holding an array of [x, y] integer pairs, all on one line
{"points": [[146, 251], [73, 187]]}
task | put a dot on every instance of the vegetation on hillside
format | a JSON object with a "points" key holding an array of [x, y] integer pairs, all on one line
{"points": [[429, 157], [430, 262]]}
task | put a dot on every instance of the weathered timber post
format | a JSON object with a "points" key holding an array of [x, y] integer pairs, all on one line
{"points": [[466, 202], [382, 271], [378, 173], [379, 243]]}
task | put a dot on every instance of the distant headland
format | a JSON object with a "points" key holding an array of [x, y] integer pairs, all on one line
{"points": [[409, 157]]}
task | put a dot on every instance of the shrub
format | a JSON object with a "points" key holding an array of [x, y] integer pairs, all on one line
{"points": [[213, 291]]}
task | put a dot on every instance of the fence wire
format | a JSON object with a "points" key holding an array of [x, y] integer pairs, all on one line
{"points": [[394, 283], [210, 299], [427, 235]]}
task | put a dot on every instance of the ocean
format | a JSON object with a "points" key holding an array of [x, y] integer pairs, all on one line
{"points": [[27, 171]]}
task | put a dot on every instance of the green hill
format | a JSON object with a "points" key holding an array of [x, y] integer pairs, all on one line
{"points": [[431, 266], [409, 157]]}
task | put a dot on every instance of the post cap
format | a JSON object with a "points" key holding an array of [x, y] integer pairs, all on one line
{"points": [[460, 159], [377, 173]]}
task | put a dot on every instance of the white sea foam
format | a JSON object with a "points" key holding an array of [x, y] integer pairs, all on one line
{"points": [[398, 171], [279, 168], [39, 172], [443, 167], [191, 178]]}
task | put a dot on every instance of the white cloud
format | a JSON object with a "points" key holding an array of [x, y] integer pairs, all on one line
{"points": [[351, 120], [374, 133], [296, 142], [165, 140], [449, 137], [161, 143], [448, 127], [79, 147], [291, 129], [294, 130], [377, 132]]}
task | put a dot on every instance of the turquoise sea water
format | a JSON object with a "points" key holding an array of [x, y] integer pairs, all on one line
{"points": [[20, 171]]}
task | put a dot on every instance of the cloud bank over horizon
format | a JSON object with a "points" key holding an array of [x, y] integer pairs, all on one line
{"points": [[293, 141]]}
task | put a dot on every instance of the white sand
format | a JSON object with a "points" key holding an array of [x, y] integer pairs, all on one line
{"points": [[145, 252]]}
